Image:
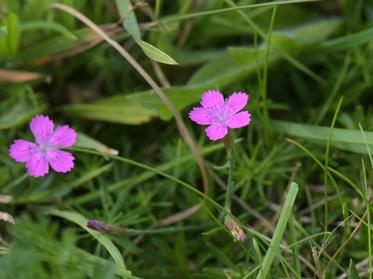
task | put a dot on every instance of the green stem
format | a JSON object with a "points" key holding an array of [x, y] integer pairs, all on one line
{"points": [[229, 193], [368, 221]]}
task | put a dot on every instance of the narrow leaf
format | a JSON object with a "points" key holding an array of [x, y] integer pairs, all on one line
{"points": [[128, 16], [116, 109], [346, 139], [90, 143], [154, 53], [352, 272]]}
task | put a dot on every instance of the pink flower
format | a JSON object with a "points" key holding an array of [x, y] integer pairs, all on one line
{"points": [[38, 156], [221, 114]]}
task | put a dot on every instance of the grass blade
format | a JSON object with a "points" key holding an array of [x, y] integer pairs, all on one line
{"points": [[279, 231], [346, 139]]}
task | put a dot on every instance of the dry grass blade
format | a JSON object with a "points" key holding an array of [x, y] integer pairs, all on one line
{"points": [[81, 46], [179, 121], [5, 198], [11, 76], [6, 217], [174, 218], [345, 242]]}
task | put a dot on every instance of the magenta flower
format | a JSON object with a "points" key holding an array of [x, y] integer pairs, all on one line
{"points": [[221, 114], [38, 156]]}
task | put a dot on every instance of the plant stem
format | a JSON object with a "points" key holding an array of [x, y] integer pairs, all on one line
{"points": [[230, 158]]}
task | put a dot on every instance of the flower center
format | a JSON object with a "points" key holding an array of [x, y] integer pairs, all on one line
{"points": [[220, 114], [43, 147]]}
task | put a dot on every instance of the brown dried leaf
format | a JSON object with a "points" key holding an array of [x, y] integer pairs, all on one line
{"points": [[81, 46], [12, 76], [5, 198]]}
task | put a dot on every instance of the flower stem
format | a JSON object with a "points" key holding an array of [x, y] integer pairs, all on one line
{"points": [[230, 158]]}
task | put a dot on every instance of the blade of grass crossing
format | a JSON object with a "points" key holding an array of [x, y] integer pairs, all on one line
{"points": [[263, 85], [368, 203], [279, 232], [335, 90], [368, 221], [326, 173], [293, 235], [366, 144], [331, 170], [219, 11]]}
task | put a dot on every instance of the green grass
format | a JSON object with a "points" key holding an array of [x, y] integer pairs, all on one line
{"points": [[298, 184]]}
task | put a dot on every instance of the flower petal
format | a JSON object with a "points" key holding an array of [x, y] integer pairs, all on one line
{"points": [[38, 165], [212, 99], [63, 136], [239, 120], [22, 150], [215, 132], [237, 101], [200, 116], [60, 161], [42, 128]]}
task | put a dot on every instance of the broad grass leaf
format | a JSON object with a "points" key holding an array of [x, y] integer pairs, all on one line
{"points": [[117, 109], [348, 41], [17, 114], [346, 139], [3, 31], [50, 26]]}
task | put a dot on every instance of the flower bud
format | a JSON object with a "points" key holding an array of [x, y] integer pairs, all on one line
{"points": [[237, 233]]}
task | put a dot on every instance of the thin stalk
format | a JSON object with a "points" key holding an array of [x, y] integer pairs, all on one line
{"points": [[229, 192], [326, 165], [225, 10], [157, 8], [263, 85], [293, 235], [368, 221]]}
